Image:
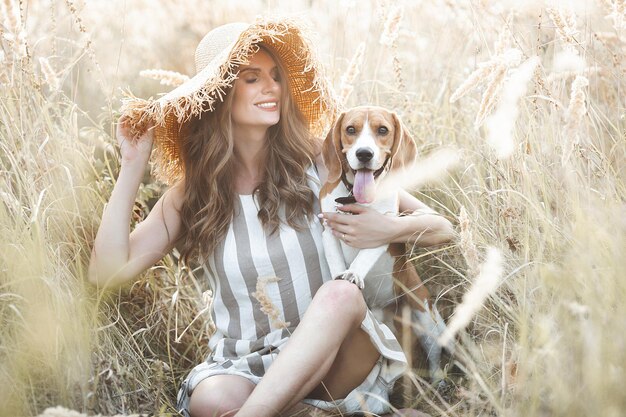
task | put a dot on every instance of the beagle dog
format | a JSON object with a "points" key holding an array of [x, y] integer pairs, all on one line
{"points": [[363, 145]]}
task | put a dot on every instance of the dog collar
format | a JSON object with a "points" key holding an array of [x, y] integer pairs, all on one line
{"points": [[350, 198]]}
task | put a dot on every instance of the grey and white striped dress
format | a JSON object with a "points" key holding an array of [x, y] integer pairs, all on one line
{"points": [[291, 267]]}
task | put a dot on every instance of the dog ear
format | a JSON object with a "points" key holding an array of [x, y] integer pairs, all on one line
{"points": [[404, 149], [331, 150]]}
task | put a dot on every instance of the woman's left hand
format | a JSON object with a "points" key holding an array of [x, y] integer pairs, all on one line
{"points": [[361, 227]]}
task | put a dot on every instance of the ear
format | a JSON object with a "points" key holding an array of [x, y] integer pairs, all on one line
{"points": [[404, 149], [331, 150]]}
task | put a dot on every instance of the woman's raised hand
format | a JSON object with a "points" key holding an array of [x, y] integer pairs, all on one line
{"points": [[134, 150]]}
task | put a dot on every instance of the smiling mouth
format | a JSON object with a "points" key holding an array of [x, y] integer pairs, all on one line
{"points": [[270, 105]]}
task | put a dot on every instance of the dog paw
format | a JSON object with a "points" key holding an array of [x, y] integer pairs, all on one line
{"points": [[353, 278]]}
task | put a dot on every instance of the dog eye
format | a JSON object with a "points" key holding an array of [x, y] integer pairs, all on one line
{"points": [[383, 130], [350, 130]]}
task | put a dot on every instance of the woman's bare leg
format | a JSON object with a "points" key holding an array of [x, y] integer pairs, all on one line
{"points": [[223, 395], [327, 344], [219, 396]]}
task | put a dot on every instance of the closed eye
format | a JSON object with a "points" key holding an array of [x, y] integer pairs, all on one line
{"points": [[276, 75]]}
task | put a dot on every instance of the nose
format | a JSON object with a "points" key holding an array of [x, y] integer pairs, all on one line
{"points": [[271, 86], [364, 154]]}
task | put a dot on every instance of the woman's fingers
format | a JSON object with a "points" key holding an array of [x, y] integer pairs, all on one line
{"points": [[348, 215], [336, 218], [353, 208]]}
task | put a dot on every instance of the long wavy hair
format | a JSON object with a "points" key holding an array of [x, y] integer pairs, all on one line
{"points": [[207, 153]]}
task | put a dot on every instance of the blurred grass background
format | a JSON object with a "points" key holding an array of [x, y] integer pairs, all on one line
{"points": [[551, 341]]}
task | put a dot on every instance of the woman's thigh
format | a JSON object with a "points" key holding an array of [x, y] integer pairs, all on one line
{"points": [[219, 395], [354, 361]]}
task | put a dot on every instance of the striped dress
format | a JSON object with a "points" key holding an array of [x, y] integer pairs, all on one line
{"points": [[262, 285]]}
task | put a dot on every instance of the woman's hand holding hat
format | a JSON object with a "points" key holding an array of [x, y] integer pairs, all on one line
{"points": [[135, 150]]}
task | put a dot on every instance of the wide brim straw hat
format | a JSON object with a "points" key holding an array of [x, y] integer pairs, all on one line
{"points": [[217, 58]]}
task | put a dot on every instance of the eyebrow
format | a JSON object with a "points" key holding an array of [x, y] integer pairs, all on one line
{"points": [[250, 69], [256, 69]]}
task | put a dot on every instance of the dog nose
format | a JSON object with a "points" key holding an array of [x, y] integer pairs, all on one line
{"points": [[364, 154]]}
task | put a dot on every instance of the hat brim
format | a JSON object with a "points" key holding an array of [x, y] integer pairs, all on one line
{"points": [[309, 88]]}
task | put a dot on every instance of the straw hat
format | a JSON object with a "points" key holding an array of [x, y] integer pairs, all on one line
{"points": [[217, 57]]}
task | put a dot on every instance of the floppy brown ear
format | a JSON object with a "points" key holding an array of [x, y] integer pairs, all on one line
{"points": [[331, 150], [404, 149]]}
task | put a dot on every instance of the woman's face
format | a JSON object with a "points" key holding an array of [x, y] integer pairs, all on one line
{"points": [[257, 92]]}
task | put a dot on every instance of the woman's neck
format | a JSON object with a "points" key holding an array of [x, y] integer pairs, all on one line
{"points": [[250, 157]]}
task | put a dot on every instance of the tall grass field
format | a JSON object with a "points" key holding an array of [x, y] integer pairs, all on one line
{"points": [[528, 99]]}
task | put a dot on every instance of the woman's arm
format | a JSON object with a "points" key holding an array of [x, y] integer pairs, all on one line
{"points": [[421, 224], [368, 229], [119, 255]]}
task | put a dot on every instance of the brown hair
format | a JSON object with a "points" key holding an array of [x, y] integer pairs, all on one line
{"points": [[207, 151]]}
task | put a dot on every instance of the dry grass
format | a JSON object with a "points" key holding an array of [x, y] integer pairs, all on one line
{"points": [[551, 339]]}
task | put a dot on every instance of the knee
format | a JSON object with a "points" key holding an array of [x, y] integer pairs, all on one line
{"points": [[340, 296], [211, 400]]}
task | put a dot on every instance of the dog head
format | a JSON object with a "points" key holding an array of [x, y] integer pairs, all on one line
{"points": [[363, 143]]}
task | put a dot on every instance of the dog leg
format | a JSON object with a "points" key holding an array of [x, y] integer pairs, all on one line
{"points": [[429, 324], [334, 254], [429, 328], [362, 264]]}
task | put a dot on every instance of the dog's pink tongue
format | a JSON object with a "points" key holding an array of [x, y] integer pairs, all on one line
{"points": [[364, 187]]}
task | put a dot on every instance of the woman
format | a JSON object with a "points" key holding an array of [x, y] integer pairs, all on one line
{"points": [[236, 143]]}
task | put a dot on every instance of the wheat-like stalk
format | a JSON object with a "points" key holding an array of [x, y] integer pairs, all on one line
{"points": [[382, 7], [11, 18], [49, 75], [485, 284], [576, 109], [490, 96], [509, 59], [10, 14], [606, 36], [492, 73], [267, 306], [53, 27], [76, 15], [466, 243], [354, 68], [565, 25], [88, 45], [505, 37], [501, 124], [392, 26], [475, 79], [617, 13], [503, 55], [171, 78], [397, 69]]}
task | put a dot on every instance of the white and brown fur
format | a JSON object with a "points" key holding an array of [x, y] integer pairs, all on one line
{"points": [[385, 274]]}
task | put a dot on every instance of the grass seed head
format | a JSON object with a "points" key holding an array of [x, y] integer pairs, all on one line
{"points": [[354, 68], [267, 306], [484, 285], [49, 74], [392, 26], [171, 78]]}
